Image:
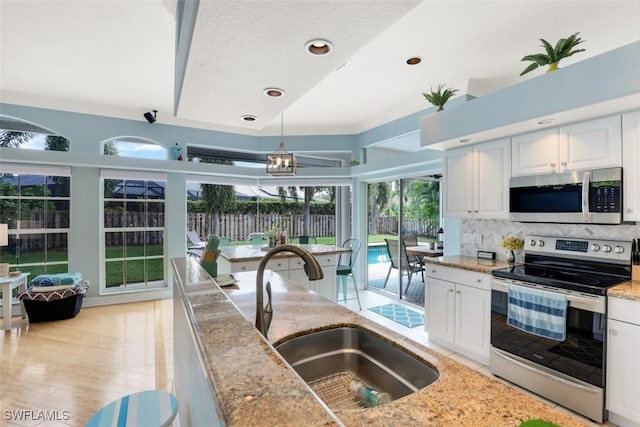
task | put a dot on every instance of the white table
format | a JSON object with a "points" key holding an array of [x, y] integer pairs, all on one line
{"points": [[7, 284]]}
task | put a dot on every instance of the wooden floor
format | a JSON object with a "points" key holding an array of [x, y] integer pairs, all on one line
{"points": [[59, 373]]}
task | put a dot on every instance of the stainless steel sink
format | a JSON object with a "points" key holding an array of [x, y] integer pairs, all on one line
{"points": [[329, 360]]}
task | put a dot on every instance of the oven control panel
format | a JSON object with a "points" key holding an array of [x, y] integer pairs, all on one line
{"points": [[609, 250]]}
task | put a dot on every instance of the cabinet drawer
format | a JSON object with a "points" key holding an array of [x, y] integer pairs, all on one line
{"points": [[458, 275], [276, 264], [324, 261], [624, 310]]}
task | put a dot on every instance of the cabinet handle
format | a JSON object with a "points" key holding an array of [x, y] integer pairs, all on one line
{"points": [[564, 163], [243, 267], [450, 290], [553, 165], [476, 211], [458, 292], [469, 211], [433, 271], [478, 280]]}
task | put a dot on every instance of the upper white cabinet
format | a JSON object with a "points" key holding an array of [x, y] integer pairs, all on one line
{"points": [[476, 180], [587, 145], [631, 165]]}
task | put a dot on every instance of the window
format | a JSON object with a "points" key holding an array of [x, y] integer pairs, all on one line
{"points": [[36, 208], [133, 223], [17, 133], [131, 146]]}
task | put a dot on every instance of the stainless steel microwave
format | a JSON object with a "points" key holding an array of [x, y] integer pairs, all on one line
{"points": [[585, 196]]}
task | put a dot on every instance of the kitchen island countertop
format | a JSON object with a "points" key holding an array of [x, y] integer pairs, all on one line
{"points": [[468, 263], [242, 253], [254, 386]]}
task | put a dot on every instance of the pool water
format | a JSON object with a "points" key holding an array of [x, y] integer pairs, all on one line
{"points": [[377, 254]]}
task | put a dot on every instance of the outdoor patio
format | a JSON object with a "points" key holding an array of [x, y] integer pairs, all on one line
{"points": [[378, 273]]}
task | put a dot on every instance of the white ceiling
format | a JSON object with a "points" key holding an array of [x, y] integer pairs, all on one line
{"points": [[117, 57]]}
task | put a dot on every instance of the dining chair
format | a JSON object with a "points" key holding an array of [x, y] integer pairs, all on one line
{"points": [[408, 267], [343, 271]]}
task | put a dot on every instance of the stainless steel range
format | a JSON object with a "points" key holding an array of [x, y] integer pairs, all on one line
{"points": [[548, 319]]}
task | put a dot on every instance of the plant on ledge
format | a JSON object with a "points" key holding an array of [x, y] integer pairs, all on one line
{"points": [[564, 48], [440, 96]]}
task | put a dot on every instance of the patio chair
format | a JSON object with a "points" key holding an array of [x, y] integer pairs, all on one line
{"points": [[408, 267], [196, 246], [256, 239], [344, 271], [305, 240]]}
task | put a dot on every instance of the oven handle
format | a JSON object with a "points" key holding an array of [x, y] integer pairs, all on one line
{"points": [[534, 370], [595, 304], [586, 179]]}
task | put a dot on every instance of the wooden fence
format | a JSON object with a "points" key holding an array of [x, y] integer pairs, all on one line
{"points": [[239, 226]]}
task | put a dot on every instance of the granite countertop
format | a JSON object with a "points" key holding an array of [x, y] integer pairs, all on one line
{"points": [[468, 263], [627, 290], [249, 253], [254, 386]]}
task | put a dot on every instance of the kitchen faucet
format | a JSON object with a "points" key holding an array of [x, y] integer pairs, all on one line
{"points": [[311, 268]]}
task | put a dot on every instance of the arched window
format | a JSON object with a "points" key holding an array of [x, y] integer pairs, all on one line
{"points": [[18, 133], [133, 146]]}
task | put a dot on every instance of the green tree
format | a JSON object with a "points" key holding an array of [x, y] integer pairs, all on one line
{"points": [[423, 202], [378, 199], [56, 143], [217, 198], [14, 139]]}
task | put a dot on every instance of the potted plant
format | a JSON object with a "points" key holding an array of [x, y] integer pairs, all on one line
{"points": [[440, 96], [564, 48], [511, 244]]}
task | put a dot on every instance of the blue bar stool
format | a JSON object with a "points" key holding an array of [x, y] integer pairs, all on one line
{"points": [[149, 408], [345, 271]]}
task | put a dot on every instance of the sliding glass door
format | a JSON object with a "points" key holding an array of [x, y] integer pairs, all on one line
{"points": [[401, 214]]}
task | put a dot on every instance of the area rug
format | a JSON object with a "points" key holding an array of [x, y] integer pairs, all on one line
{"points": [[399, 314]]}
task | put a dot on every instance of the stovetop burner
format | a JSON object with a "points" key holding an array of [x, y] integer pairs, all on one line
{"points": [[591, 283]]}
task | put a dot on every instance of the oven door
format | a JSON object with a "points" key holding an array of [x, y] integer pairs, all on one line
{"points": [[580, 355]]}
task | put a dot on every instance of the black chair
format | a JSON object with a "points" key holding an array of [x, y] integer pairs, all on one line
{"points": [[346, 270], [408, 267]]}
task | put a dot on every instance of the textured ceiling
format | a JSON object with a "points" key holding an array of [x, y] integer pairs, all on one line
{"points": [[118, 57]]}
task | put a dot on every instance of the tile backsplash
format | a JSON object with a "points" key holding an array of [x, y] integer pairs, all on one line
{"points": [[486, 234]]}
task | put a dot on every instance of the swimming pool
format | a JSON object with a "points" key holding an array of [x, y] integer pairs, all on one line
{"points": [[377, 254]]}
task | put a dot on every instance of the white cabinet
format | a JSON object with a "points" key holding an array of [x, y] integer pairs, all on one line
{"points": [[292, 268], [623, 369], [326, 286], [587, 145], [631, 165], [476, 181], [458, 310]]}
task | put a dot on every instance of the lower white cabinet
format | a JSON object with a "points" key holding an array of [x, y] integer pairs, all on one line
{"points": [[326, 286], [292, 268], [458, 311], [623, 368]]}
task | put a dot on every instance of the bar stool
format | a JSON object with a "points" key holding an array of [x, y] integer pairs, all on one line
{"points": [[149, 408], [345, 271]]}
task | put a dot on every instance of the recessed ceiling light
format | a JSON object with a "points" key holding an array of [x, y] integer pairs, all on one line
{"points": [[273, 92], [318, 47], [249, 118], [545, 121], [414, 60]]}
